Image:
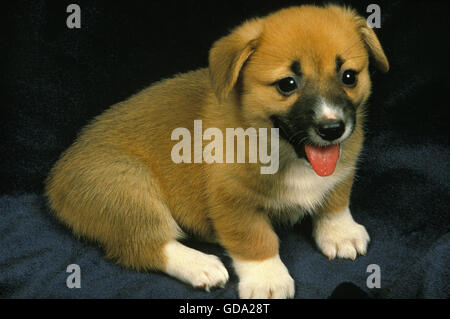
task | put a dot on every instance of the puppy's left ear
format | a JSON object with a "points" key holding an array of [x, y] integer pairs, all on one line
{"points": [[373, 45], [368, 36], [228, 55]]}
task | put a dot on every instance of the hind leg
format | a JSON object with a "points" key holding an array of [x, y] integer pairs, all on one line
{"points": [[164, 253], [120, 205], [194, 267]]}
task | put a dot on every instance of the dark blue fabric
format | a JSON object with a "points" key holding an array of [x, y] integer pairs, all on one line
{"points": [[36, 250], [54, 80]]}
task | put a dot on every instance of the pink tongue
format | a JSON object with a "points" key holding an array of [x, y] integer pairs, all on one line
{"points": [[323, 159]]}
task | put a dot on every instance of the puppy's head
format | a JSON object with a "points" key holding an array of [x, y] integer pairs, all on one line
{"points": [[303, 70]]}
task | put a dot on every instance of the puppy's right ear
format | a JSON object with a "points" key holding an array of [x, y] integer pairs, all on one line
{"points": [[228, 55]]}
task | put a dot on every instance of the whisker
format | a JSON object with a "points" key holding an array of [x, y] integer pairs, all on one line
{"points": [[283, 130], [301, 141], [293, 136]]}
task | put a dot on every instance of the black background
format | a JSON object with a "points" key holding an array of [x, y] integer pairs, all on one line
{"points": [[55, 79]]}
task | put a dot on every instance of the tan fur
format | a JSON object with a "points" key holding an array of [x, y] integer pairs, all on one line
{"points": [[118, 185]]}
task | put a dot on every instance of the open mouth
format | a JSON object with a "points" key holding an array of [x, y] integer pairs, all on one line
{"points": [[323, 159]]}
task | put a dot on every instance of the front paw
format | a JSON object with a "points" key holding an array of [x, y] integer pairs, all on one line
{"points": [[338, 235], [267, 279]]}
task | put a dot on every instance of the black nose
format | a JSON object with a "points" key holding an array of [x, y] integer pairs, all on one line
{"points": [[330, 130]]}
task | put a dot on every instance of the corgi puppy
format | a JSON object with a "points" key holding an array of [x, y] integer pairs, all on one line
{"points": [[302, 71]]}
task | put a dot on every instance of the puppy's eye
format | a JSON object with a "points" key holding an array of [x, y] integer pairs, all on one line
{"points": [[287, 86], [349, 78]]}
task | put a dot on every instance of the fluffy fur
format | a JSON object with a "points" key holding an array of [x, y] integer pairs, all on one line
{"points": [[118, 185]]}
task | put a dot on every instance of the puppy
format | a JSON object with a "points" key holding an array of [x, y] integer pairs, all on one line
{"points": [[301, 70]]}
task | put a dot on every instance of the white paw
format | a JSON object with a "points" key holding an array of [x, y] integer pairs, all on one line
{"points": [[194, 267], [267, 279], [338, 235]]}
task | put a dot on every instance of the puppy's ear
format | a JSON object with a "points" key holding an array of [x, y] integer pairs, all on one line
{"points": [[368, 36], [373, 45], [228, 55]]}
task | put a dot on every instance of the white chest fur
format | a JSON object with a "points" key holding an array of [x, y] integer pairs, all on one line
{"points": [[302, 189]]}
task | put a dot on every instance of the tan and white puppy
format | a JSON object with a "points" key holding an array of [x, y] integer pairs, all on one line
{"points": [[303, 70]]}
